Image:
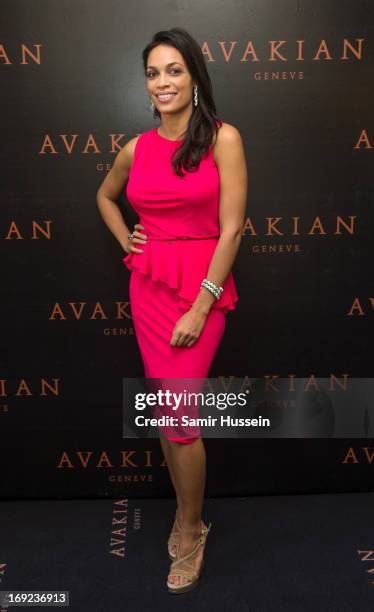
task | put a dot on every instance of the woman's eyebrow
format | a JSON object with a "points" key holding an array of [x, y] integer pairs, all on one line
{"points": [[167, 65]]}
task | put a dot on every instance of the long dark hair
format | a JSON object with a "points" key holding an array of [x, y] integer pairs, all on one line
{"points": [[203, 121]]}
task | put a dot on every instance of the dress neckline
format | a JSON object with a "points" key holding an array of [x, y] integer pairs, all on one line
{"points": [[166, 139]]}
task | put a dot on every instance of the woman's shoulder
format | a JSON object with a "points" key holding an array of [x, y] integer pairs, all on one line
{"points": [[226, 132], [126, 155], [131, 149], [227, 135]]}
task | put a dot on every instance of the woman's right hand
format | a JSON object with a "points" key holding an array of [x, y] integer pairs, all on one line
{"points": [[138, 238]]}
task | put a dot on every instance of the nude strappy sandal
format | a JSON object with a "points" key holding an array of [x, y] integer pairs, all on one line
{"points": [[188, 570], [174, 540]]}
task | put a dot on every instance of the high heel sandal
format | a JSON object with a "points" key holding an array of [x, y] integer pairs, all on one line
{"points": [[188, 571], [174, 539]]}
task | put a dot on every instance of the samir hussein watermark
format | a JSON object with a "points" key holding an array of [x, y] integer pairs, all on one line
{"points": [[208, 407]]}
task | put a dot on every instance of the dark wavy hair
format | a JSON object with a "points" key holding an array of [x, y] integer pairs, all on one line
{"points": [[203, 121]]}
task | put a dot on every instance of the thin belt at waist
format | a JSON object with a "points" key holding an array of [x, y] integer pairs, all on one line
{"points": [[183, 238]]}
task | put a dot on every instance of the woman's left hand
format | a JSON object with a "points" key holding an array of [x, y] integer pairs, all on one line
{"points": [[188, 328]]}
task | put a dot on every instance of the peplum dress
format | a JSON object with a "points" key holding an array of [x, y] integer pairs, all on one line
{"points": [[181, 221]]}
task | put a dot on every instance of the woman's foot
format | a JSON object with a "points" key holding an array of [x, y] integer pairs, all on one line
{"points": [[188, 540]]}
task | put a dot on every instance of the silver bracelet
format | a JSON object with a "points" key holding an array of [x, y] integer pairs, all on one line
{"points": [[216, 291]]}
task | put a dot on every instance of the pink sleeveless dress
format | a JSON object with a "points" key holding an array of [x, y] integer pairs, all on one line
{"points": [[181, 221]]}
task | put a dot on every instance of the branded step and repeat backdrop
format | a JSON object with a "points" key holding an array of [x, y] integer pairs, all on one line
{"points": [[295, 77]]}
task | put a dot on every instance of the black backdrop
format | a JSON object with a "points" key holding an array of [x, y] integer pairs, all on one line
{"points": [[295, 77]]}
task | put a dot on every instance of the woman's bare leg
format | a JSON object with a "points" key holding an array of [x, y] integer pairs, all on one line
{"points": [[165, 445], [189, 471]]}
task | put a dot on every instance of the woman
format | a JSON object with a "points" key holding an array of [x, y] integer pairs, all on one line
{"points": [[187, 181]]}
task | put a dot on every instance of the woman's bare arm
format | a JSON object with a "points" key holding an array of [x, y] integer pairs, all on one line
{"points": [[109, 192], [230, 159]]}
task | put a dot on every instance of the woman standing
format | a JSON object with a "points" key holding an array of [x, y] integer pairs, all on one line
{"points": [[187, 181]]}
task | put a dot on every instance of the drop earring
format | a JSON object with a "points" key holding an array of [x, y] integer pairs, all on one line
{"points": [[195, 98], [153, 108]]}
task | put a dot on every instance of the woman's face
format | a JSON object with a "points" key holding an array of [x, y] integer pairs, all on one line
{"points": [[167, 73]]}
